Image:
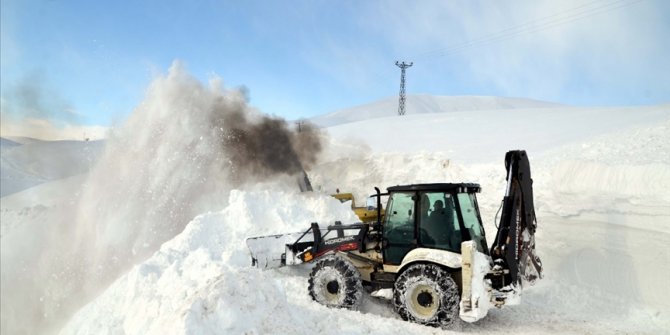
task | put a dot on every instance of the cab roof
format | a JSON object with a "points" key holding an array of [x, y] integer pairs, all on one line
{"points": [[443, 187]]}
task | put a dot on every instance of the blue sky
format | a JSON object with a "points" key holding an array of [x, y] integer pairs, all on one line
{"points": [[89, 62]]}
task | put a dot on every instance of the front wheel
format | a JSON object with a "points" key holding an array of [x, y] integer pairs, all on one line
{"points": [[426, 294], [335, 282]]}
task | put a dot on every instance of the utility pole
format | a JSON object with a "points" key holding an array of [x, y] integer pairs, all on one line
{"points": [[402, 66], [300, 123]]}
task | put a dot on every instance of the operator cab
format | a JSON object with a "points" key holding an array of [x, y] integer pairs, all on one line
{"points": [[433, 216]]}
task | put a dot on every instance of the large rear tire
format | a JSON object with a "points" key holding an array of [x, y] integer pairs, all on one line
{"points": [[335, 282], [426, 294]]}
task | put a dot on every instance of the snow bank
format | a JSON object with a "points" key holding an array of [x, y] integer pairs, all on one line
{"points": [[619, 171], [621, 177], [201, 281], [592, 187]]}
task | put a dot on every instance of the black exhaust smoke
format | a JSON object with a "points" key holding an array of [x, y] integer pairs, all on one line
{"points": [[260, 147]]}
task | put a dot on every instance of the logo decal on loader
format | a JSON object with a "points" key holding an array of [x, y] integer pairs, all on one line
{"points": [[340, 240]]}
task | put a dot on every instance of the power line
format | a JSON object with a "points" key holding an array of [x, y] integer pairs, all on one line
{"points": [[530, 27], [580, 12]]}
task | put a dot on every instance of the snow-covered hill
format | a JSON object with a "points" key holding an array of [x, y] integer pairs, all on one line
{"points": [[158, 263], [479, 136], [426, 104], [29, 162], [7, 143]]}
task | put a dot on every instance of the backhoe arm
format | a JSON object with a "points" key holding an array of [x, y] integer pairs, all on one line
{"points": [[513, 250]]}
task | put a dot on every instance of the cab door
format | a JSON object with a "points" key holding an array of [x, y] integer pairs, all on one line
{"points": [[399, 228]]}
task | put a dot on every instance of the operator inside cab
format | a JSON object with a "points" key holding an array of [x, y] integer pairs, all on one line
{"points": [[438, 223]]}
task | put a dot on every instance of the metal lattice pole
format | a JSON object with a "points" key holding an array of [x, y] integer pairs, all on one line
{"points": [[401, 105]]}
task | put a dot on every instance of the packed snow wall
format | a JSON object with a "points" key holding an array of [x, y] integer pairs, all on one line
{"points": [[207, 269], [179, 154]]}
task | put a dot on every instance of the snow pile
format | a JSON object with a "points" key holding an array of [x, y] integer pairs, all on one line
{"points": [[204, 276]]}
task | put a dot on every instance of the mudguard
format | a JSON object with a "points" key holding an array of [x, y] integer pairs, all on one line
{"points": [[437, 256]]}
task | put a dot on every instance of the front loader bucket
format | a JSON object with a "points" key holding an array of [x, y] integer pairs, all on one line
{"points": [[268, 252]]}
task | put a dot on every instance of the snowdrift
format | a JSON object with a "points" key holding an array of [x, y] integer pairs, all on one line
{"points": [[204, 274]]}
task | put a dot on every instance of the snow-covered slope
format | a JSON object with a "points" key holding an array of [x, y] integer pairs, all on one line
{"points": [[7, 143], [35, 162], [426, 104], [601, 180], [480, 136]]}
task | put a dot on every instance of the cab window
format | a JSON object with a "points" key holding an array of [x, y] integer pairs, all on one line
{"points": [[439, 226], [471, 219], [399, 227], [400, 218]]}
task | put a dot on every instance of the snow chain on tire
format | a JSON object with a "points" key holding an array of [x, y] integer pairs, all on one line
{"points": [[335, 282], [426, 294]]}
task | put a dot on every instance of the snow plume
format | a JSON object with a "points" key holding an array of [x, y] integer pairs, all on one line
{"points": [[178, 155]]}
